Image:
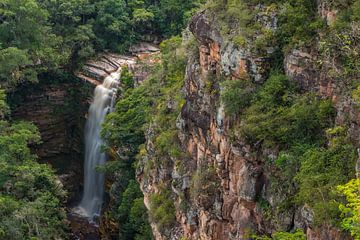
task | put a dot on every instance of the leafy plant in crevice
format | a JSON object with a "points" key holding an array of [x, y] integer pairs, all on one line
{"points": [[162, 209], [127, 79], [204, 184], [236, 95]]}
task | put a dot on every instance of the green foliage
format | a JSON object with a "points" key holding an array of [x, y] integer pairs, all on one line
{"points": [[356, 95], [12, 64], [236, 95], [112, 24], [141, 15], [350, 212], [132, 214], [297, 235], [279, 116], [38, 37], [298, 23], [171, 15], [127, 79], [125, 126], [30, 194], [4, 109], [27, 45], [322, 169], [162, 209]]}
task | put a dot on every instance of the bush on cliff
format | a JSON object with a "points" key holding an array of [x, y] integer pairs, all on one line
{"points": [[279, 115]]}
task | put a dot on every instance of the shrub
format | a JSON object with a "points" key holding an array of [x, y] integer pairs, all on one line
{"points": [[278, 116], [322, 169], [350, 212], [127, 78], [297, 235], [162, 209], [236, 95]]}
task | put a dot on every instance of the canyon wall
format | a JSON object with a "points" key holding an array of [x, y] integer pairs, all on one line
{"points": [[58, 110], [228, 203]]}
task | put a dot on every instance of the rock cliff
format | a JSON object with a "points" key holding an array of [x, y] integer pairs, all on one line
{"points": [[228, 205], [58, 110]]}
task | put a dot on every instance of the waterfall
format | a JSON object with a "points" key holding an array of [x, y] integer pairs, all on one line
{"points": [[104, 96]]}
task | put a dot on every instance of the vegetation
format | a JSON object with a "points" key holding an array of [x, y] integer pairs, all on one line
{"points": [[278, 115], [30, 194], [204, 183], [351, 210], [124, 131], [45, 40], [42, 36], [162, 209], [236, 95], [297, 235], [133, 214], [322, 169]]}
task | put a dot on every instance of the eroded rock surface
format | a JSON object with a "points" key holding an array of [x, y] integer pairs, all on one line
{"points": [[141, 55], [58, 110], [234, 209]]}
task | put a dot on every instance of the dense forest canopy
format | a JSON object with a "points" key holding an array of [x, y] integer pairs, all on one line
{"points": [[41, 36]]}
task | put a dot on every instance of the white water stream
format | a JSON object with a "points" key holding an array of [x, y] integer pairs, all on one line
{"points": [[103, 102]]}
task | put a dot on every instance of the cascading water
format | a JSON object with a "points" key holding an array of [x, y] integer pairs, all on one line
{"points": [[104, 95]]}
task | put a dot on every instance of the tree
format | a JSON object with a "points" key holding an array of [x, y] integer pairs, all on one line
{"points": [[112, 24], [26, 41]]}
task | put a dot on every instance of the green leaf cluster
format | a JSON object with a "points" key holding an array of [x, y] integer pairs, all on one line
{"points": [[30, 194], [351, 210]]}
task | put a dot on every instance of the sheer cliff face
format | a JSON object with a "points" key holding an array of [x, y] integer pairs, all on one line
{"points": [[227, 203], [58, 110]]}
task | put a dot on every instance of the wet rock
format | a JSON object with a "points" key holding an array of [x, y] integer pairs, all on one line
{"points": [[94, 71], [81, 229]]}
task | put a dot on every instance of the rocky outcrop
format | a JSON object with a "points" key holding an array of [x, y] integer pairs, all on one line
{"points": [[140, 58], [233, 210], [94, 71], [228, 209], [219, 54]]}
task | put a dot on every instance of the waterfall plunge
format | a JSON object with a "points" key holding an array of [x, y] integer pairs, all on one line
{"points": [[104, 95]]}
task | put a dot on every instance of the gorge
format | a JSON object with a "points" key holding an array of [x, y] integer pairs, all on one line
{"points": [[180, 120]]}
